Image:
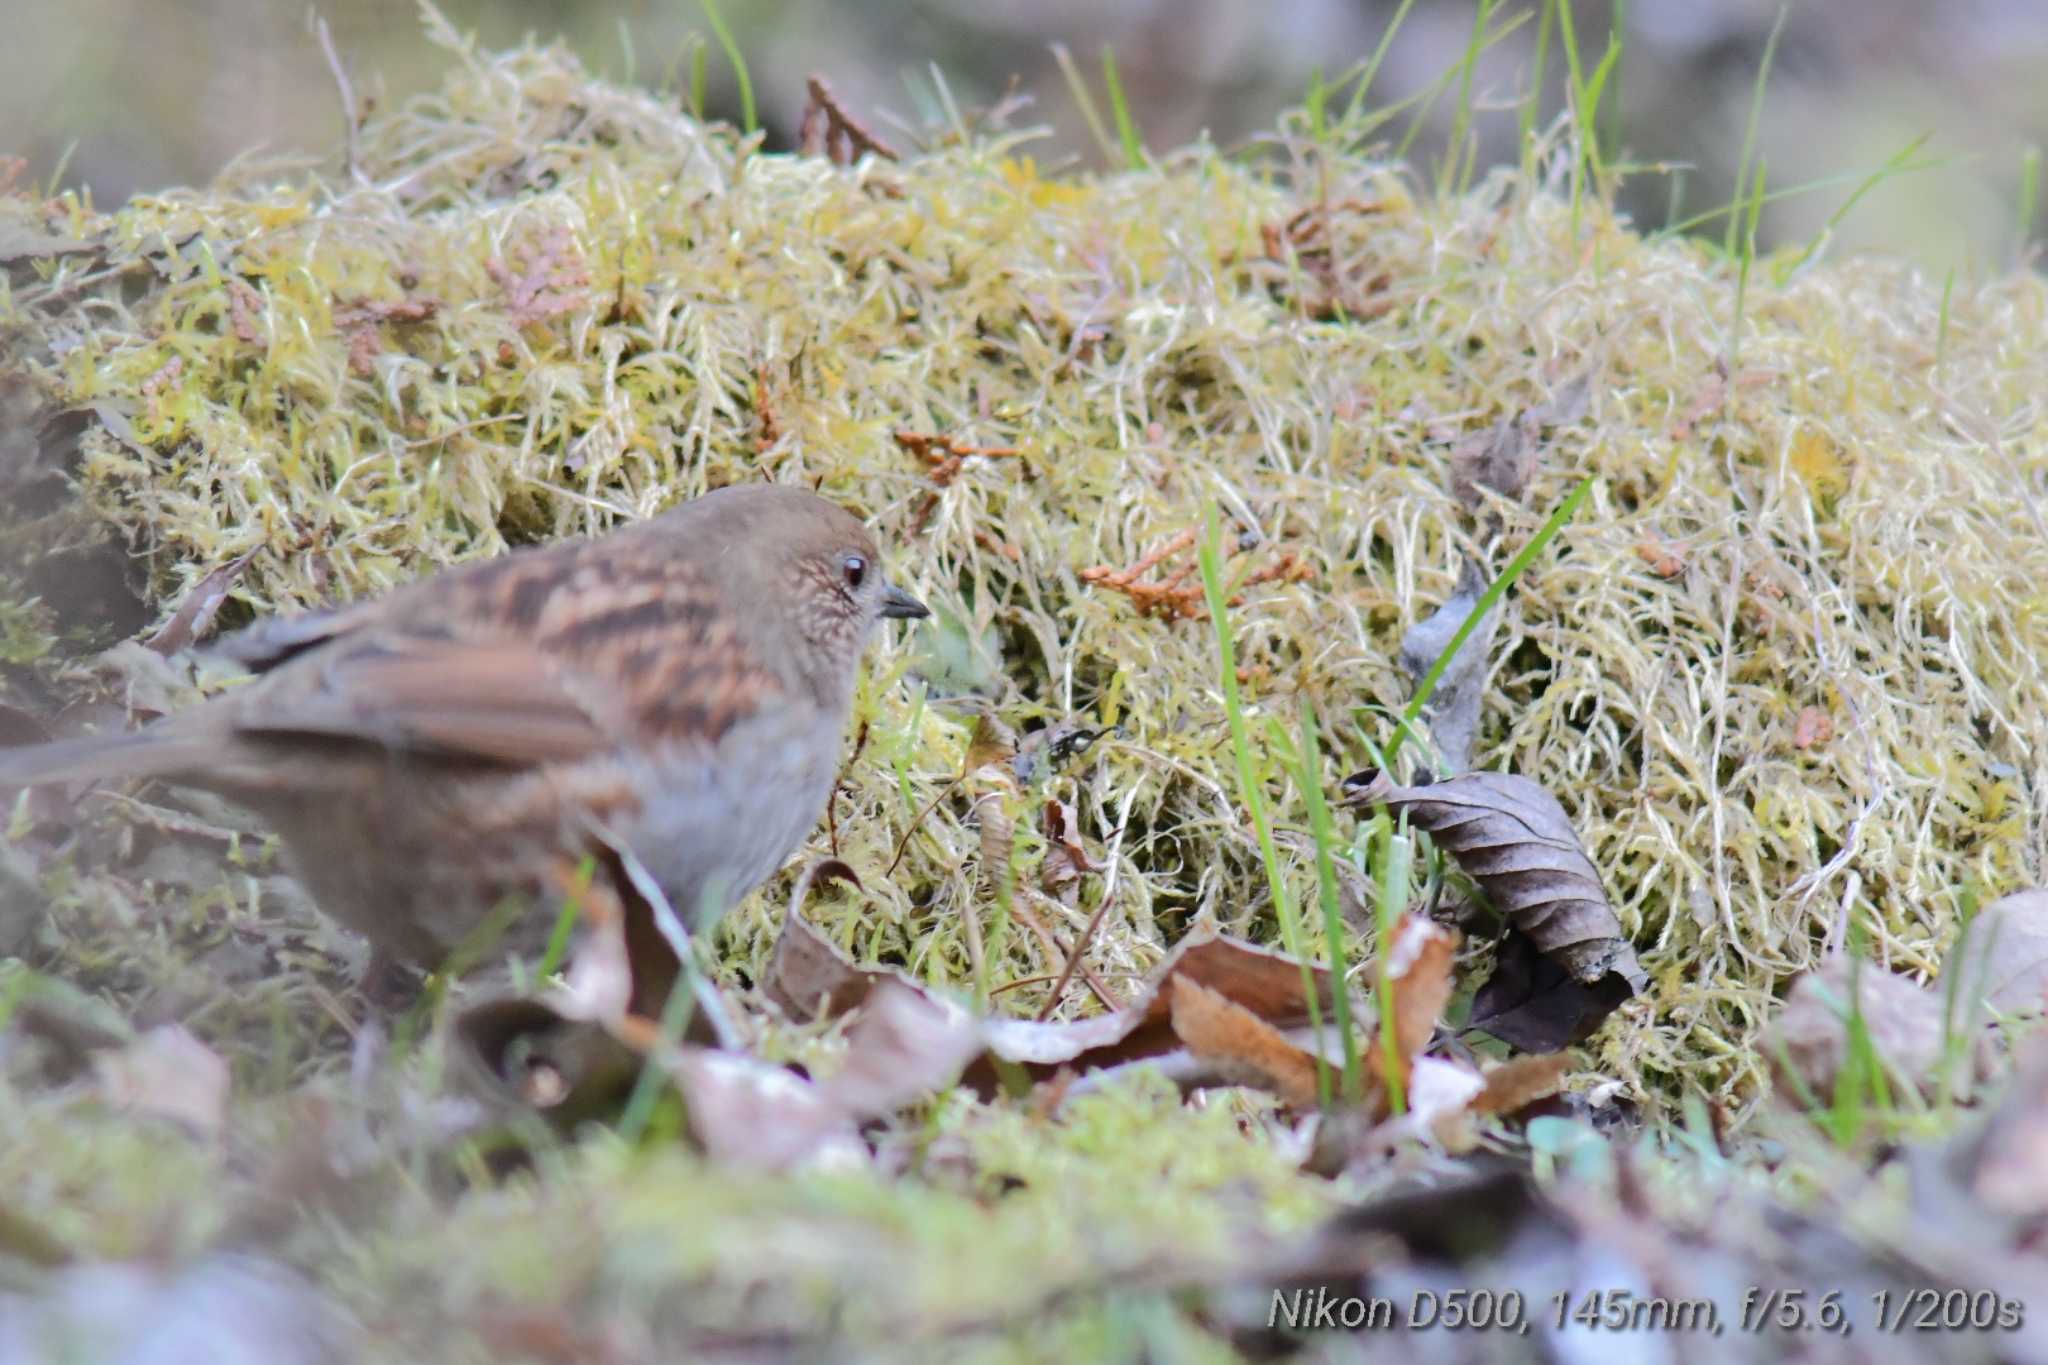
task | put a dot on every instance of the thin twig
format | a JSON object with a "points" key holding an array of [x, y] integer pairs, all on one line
{"points": [[829, 129], [1123, 822], [929, 807], [1054, 948]]}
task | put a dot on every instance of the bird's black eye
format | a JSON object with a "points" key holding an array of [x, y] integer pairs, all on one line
{"points": [[856, 570]]}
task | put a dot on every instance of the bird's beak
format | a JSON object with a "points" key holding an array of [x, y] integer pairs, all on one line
{"points": [[901, 605]]}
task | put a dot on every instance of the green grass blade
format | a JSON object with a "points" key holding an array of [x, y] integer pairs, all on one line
{"points": [[1493, 594], [1451, 176], [700, 77], [1426, 98], [1120, 110], [1956, 1033], [649, 1084], [1532, 103], [1739, 205], [1748, 260], [627, 56], [1315, 107], [1210, 555], [1749, 128], [1372, 63], [1575, 78], [1860, 1088], [1309, 773], [748, 122], [1390, 877], [565, 922], [1894, 164], [1617, 40], [1084, 101]]}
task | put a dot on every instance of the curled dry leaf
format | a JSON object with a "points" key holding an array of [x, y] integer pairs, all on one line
{"points": [[808, 978], [1811, 1033], [1533, 1003], [991, 741], [998, 842], [194, 616], [1514, 839], [1419, 975], [1236, 1041], [1066, 859], [1519, 1082], [2003, 957], [746, 1112], [1499, 459], [1453, 708], [1265, 983], [1502, 458]]}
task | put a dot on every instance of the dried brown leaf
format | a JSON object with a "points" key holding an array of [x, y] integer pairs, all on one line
{"points": [[1419, 974], [1266, 983], [2002, 960], [194, 616], [904, 1045], [808, 977], [1499, 459], [1513, 838], [1521, 1081], [1453, 708], [1066, 859], [1811, 1033], [1533, 1003], [991, 741], [1236, 1041]]}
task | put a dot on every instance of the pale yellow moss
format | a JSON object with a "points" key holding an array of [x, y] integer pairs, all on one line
{"points": [[628, 307]]}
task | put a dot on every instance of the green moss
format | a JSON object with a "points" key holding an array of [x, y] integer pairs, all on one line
{"points": [[999, 1218], [26, 631]]}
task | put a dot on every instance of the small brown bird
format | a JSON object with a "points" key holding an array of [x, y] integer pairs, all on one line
{"points": [[679, 687]]}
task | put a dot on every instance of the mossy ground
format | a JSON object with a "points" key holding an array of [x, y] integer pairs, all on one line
{"points": [[539, 305]]}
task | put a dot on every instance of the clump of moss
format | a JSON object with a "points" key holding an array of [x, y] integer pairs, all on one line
{"points": [[545, 305]]}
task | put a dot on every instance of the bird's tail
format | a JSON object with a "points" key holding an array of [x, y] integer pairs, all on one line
{"points": [[153, 752]]}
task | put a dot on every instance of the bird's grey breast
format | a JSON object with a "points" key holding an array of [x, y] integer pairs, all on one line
{"points": [[726, 814]]}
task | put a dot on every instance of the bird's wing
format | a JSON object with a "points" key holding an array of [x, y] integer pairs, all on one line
{"points": [[496, 702], [540, 656]]}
